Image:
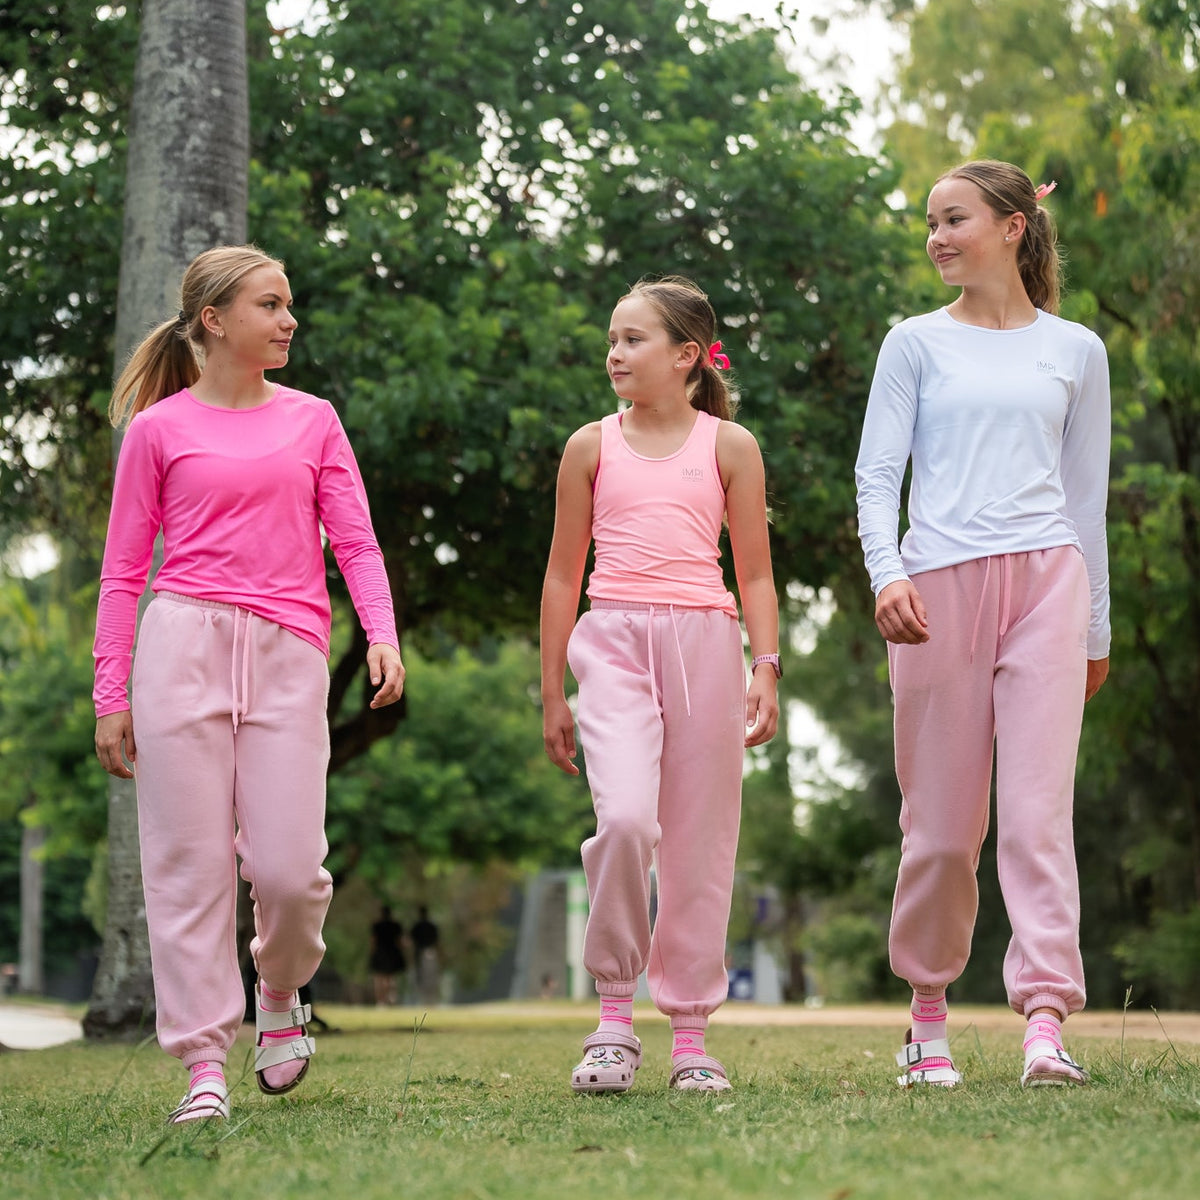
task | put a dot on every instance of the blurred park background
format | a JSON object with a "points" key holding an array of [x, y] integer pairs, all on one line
{"points": [[461, 191]]}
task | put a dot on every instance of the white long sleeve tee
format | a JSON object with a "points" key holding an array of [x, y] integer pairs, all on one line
{"points": [[1009, 433]]}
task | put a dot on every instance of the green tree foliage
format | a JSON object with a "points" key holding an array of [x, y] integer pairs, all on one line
{"points": [[46, 780], [832, 855], [459, 222], [459, 225], [459, 219], [468, 783], [45, 719], [66, 77]]}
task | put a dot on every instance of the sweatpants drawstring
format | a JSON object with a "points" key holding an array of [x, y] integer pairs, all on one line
{"points": [[987, 574], [1005, 614], [239, 699], [650, 653], [687, 700], [1005, 594]]}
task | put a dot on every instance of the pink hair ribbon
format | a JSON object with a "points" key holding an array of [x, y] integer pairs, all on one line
{"points": [[716, 358], [1041, 192]]}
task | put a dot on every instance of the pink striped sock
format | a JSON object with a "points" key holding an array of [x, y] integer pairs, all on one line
{"points": [[203, 1077], [616, 1014], [686, 1042], [206, 1072], [1043, 1036], [929, 1011]]}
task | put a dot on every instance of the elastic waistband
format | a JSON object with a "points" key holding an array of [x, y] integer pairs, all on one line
{"points": [[659, 606], [221, 605]]}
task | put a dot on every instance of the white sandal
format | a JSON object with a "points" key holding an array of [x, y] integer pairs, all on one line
{"points": [[609, 1062], [277, 1051], [914, 1053], [1045, 1076], [204, 1101]]}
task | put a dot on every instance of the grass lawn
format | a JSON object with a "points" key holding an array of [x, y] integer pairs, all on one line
{"points": [[477, 1105]]}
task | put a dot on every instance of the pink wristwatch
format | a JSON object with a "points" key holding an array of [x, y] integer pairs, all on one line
{"points": [[773, 659]]}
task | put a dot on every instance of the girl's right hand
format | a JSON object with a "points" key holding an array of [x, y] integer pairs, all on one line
{"points": [[558, 732], [900, 614], [114, 732]]}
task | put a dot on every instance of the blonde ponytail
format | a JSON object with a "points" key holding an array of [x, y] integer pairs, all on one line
{"points": [[164, 363]]}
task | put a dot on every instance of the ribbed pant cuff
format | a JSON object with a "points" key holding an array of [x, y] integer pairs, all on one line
{"points": [[689, 1021], [609, 987], [1046, 1000], [212, 1054]]}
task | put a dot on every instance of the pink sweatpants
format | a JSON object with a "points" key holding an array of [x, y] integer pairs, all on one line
{"points": [[1005, 666], [232, 746], [662, 710]]}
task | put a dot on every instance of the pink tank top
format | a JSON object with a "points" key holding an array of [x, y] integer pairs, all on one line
{"points": [[656, 522]]}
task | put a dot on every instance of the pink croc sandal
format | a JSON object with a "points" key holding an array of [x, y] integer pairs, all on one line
{"points": [[609, 1062], [699, 1073]]}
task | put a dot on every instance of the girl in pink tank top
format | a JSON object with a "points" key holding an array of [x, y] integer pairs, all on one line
{"points": [[664, 710]]}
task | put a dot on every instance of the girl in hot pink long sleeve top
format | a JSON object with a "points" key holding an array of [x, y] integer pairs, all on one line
{"points": [[241, 495], [226, 727]]}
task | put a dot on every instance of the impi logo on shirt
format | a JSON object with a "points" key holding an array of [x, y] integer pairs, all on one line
{"points": [[691, 474], [1045, 368]]}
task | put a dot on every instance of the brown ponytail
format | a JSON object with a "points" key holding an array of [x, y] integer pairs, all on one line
{"points": [[688, 316]]}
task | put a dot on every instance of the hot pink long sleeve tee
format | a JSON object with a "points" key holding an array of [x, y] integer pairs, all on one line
{"points": [[241, 496]]}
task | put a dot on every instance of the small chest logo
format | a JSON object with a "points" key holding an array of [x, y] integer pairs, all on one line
{"points": [[1045, 368], [691, 474]]}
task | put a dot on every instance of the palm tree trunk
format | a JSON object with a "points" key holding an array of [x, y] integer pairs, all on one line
{"points": [[185, 190]]}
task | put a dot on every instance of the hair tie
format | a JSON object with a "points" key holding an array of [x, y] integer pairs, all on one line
{"points": [[182, 317], [1042, 191], [716, 359]]}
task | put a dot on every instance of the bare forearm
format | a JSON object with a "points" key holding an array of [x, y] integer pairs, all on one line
{"points": [[760, 611], [560, 601]]}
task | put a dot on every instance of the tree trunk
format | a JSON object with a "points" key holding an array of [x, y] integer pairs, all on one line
{"points": [[185, 190], [795, 984], [31, 979]]}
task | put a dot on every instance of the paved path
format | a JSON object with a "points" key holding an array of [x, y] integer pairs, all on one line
{"points": [[33, 1027], [1176, 1027], [1181, 1027]]}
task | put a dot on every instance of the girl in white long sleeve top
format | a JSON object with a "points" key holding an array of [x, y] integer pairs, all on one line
{"points": [[995, 605]]}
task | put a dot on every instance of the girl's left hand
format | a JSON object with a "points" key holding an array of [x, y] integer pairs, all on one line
{"points": [[1097, 673], [386, 667], [762, 709]]}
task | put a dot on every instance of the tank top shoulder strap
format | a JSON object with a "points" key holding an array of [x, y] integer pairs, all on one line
{"points": [[706, 430], [610, 428], [610, 433]]}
